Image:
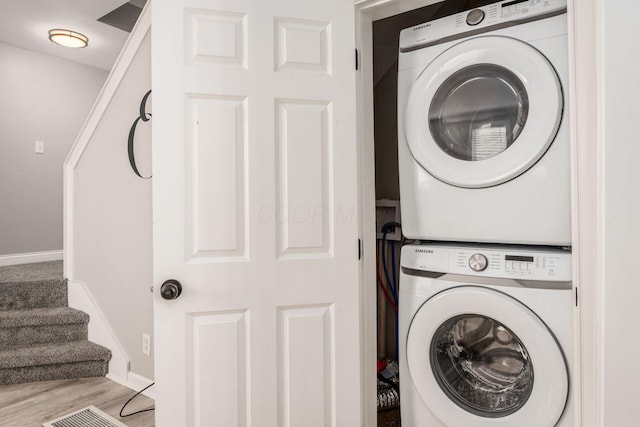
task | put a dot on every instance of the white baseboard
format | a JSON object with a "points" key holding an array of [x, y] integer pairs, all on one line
{"points": [[136, 382], [99, 330], [28, 258]]}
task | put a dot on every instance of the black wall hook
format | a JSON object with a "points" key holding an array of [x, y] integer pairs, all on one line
{"points": [[145, 117]]}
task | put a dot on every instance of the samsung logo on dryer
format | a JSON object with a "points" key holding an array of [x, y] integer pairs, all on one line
{"points": [[424, 251], [419, 27]]}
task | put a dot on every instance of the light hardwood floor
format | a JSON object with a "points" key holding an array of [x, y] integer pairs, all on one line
{"points": [[30, 405]]}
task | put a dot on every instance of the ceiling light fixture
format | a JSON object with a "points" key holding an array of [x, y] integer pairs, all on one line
{"points": [[68, 38]]}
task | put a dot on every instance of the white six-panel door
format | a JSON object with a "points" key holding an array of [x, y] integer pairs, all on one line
{"points": [[255, 213]]}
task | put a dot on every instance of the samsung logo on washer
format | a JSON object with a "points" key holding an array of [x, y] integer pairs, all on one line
{"points": [[424, 251], [419, 27]]}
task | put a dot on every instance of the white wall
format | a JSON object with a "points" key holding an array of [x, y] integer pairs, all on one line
{"points": [[47, 99], [620, 210], [112, 216]]}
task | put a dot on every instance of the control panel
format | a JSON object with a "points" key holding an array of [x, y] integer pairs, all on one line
{"points": [[495, 14], [499, 262]]}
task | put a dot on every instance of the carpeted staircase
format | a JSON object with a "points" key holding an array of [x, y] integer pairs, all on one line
{"points": [[41, 338]]}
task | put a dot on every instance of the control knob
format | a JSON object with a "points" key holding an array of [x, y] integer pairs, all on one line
{"points": [[478, 262], [475, 17]]}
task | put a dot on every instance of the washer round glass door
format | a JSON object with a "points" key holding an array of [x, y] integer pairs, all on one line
{"points": [[479, 357], [483, 112]]}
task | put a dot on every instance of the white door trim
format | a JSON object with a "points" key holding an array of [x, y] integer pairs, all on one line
{"points": [[586, 187], [366, 170]]}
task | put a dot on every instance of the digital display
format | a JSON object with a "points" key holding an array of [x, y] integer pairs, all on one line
{"points": [[511, 3], [518, 258]]}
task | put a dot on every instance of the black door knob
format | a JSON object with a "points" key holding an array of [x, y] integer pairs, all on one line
{"points": [[171, 289]]}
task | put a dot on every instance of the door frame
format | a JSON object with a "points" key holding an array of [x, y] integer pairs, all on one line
{"points": [[584, 35]]}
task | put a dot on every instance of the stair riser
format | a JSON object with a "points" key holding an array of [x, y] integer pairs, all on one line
{"points": [[52, 293], [44, 334], [54, 372]]}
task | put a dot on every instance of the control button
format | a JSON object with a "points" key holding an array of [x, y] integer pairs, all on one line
{"points": [[478, 262], [475, 17]]}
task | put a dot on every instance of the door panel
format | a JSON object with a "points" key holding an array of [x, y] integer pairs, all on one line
{"points": [[305, 383], [218, 393], [303, 145], [255, 213], [303, 45], [215, 37], [215, 145]]}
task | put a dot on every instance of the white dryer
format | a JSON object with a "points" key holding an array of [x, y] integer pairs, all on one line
{"points": [[483, 135], [485, 336]]}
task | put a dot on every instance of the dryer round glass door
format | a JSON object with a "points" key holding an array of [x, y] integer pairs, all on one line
{"points": [[483, 112], [482, 351], [478, 112]]}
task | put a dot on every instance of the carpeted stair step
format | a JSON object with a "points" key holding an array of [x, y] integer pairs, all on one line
{"points": [[76, 359], [20, 328], [32, 286], [37, 294]]}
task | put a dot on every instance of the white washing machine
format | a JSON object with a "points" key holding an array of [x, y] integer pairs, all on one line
{"points": [[483, 134], [485, 336]]}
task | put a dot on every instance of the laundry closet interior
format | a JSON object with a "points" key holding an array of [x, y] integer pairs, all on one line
{"points": [[506, 305]]}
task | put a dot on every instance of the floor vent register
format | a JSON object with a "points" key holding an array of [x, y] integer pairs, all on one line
{"points": [[87, 417]]}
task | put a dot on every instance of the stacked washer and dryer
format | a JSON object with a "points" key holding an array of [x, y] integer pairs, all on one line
{"points": [[486, 299]]}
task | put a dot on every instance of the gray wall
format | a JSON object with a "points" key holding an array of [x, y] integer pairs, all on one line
{"points": [[113, 229], [46, 99]]}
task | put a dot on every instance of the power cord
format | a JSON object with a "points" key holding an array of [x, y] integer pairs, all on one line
{"points": [[134, 396]]}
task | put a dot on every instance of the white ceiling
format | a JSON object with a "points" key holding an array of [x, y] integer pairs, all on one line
{"points": [[26, 24]]}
